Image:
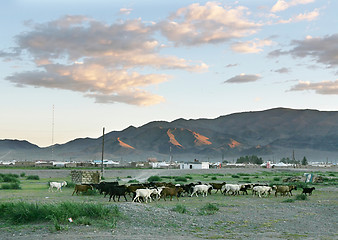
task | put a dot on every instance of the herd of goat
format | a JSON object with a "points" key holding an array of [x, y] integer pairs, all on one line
{"points": [[157, 190]]}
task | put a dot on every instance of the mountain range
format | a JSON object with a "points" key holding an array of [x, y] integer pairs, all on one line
{"points": [[271, 134]]}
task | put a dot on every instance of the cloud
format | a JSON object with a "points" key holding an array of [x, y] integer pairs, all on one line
{"points": [[126, 11], [302, 17], [254, 46], [209, 23], [94, 81], [102, 61], [324, 87], [282, 5], [231, 65], [243, 78], [323, 50], [283, 70]]}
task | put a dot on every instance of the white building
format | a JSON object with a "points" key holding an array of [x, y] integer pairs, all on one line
{"points": [[194, 165]]}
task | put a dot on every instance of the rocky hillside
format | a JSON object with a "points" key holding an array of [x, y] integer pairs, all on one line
{"points": [[271, 134]]}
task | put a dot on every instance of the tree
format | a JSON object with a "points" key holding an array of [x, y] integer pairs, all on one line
{"points": [[250, 159], [289, 161], [304, 161]]}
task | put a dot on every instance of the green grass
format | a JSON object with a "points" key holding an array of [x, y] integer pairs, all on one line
{"points": [[180, 208], [26, 213]]}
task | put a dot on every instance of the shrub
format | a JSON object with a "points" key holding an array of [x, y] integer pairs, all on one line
{"points": [[180, 179], [299, 184], [69, 185], [167, 177], [14, 178], [301, 197], [213, 178], [277, 179], [154, 179], [208, 209], [243, 174], [188, 176], [180, 208], [133, 181], [10, 186], [234, 176], [128, 176], [33, 177], [23, 174]]}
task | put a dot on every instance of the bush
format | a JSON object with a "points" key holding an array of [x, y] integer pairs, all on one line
{"points": [[180, 208], [13, 178], [301, 197], [188, 176], [180, 179], [154, 179], [213, 178], [33, 177], [243, 174], [23, 174], [208, 209], [234, 176], [277, 179], [133, 181], [69, 185], [11, 186], [300, 184], [167, 177]]}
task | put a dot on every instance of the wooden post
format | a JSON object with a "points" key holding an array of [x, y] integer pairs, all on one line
{"points": [[102, 154]]}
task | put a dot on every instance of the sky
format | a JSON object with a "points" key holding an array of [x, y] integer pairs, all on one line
{"points": [[68, 69]]}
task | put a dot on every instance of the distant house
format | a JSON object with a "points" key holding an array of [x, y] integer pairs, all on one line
{"points": [[195, 165]]}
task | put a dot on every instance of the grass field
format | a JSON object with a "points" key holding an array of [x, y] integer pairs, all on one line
{"points": [[213, 217]]}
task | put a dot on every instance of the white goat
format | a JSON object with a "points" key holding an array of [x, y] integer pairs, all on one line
{"points": [[202, 188], [234, 188], [145, 193], [261, 190], [57, 185]]}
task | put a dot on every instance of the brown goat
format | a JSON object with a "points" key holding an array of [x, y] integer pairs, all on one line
{"points": [[171, 191], [283, 190], [81, 188]]}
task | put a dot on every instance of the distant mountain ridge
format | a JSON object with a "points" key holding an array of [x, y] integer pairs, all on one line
{"points": [[271, 134]]}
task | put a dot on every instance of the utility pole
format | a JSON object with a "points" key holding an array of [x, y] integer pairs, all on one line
{"points": [[102, 153], [53, 134]]}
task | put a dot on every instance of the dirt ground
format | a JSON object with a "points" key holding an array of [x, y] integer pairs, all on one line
{"points": [[237, 217]]}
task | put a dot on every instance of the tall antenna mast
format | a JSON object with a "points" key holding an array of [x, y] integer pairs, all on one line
{"points": [[53, 134]]}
